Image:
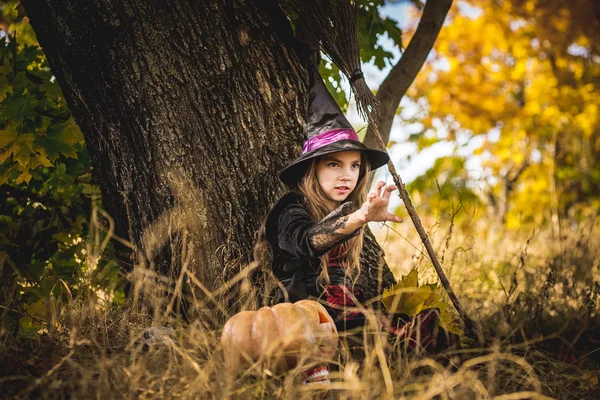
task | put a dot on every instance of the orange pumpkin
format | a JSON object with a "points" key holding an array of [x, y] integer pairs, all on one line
{"points": [[278, 337]]}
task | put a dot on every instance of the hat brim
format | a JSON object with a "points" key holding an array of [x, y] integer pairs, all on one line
{"points": [[291, 174]]}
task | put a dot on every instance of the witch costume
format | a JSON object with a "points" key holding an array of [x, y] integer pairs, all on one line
{"points": [[298, 241]]}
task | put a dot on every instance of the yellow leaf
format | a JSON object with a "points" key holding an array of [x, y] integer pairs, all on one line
{"points": [[71, 133], [410, 280], [405, 296], [24, 177], [37, 310], [22, 149], [7, 173], [41, 159], [414, 302], [7, 136]]}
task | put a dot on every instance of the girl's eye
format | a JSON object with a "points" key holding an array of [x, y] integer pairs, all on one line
{"points": [[356, 166], [332, 164]]}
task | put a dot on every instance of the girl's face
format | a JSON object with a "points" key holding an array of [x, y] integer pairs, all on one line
{"points": [[338, 174]]}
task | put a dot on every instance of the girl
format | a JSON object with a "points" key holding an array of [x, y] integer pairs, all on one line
{"points": [[315, 231], [313, 236]]}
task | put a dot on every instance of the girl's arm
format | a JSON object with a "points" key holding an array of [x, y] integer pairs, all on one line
{"points": [[301, 236], [333, 228]]}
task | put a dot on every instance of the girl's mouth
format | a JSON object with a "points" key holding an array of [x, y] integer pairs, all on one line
{"points": [[342, 189]]}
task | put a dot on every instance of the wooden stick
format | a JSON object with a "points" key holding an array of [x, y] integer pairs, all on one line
{"points": [[471, 328]]}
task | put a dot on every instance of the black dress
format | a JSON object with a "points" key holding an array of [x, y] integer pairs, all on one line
{"points": [[297, 241]]}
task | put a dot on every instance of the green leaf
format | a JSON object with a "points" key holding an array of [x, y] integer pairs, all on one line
{"points": [[371, 26], [20, 82], [61, 169], [330, 72], [51, 90], [28, 54], [18, 107], [393, 31], [6, 67], [36, 131], [39, 77], [60, 139]]}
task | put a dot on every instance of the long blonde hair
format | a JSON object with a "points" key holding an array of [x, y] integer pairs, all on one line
{"points": [[318, 207]]}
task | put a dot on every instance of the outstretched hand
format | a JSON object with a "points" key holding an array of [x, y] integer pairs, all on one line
{"points": [[375, 209]]}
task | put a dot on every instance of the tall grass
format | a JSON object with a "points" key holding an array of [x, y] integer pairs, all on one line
{"points": [[536, 298]]}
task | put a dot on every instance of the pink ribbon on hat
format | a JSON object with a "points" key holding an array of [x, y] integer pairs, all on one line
{"points": [[328, 137]]}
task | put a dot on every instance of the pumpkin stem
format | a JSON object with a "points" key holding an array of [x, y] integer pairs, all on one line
{"points": [[323, 318]]}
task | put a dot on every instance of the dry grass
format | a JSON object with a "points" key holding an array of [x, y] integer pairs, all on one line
{"points": [[536, 299]]}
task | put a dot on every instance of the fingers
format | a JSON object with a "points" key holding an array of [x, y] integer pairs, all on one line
{"points": [[376, 191], [382, 191], [388, 191], [380, 186], [394, 218]]}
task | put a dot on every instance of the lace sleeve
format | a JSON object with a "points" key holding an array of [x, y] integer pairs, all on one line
{"points": [[301, 236]]}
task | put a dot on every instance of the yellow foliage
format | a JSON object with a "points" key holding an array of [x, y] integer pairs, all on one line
{"points": [[514, 67], [409, 298]]}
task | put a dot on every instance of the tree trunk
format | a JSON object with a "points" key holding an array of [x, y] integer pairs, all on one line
{"points": [[189, 110], [190, 107]]}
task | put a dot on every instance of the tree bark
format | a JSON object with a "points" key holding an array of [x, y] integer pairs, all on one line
{"points": [[188, 113]]}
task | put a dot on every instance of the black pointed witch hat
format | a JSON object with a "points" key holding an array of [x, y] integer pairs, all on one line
{"points": [[327, 131]]}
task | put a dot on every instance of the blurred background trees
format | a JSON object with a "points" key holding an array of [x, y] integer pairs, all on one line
{"points": [[513, 86]]}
